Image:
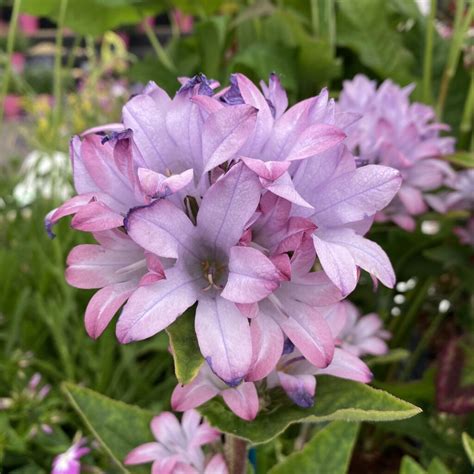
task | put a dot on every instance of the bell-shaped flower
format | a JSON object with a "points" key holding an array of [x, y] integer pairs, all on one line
{"points": [[400, 134], [69, 462], [211, 268], [178, 446], [362, 335]]}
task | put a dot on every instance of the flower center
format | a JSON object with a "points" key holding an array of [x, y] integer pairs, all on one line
{"points": [[213, 273]]}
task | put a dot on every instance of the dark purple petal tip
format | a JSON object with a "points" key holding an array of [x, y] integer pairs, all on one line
{"points": [[288, 347], [48, 225], [302, 398], [114, 137], [201, 80], [232, 95], [231, 383]]}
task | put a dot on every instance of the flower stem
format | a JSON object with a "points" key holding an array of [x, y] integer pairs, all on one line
{"points": [[461, 26], [58, 55], [428, 56], [8, 64], [468, 117], [315, 18], [158, 48], [236, 454]]}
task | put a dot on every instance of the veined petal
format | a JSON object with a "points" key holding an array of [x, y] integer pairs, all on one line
{"points": [[242, 400], [337, 262], [144, 453], [96, 216], [285, 188], [355, 195], [300, 388], [315, 139], [154, 307], [267, 343], [162, 229], [216, 465], [193, 394], [104, 304], [252, 276], [268, 170], [224, 339], [366, 254], [167, 429], [227, 206], [225, 132], [308, 331], [347, 366]]}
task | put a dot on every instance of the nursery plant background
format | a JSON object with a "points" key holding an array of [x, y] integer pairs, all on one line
{"points": [[71, 65]]}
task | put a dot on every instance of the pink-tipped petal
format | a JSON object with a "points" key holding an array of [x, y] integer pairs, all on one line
{"points": [[242, 400], [224, 339], [252, 276]]}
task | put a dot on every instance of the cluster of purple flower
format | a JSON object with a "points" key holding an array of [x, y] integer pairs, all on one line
{"points": [[254, 215], [394, 132]]}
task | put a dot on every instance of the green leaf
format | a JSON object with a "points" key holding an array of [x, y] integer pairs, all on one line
{"points": [[211, 36], [186, 354], [395, 355], [468, 444], [410, 466], [437, 467], [329, 450], [336, 399], [461, 158], [365, 27], [94, 17], [118, 427]]}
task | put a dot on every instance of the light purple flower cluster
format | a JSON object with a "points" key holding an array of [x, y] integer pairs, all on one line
{"points": [[458, 197], [178, 446], [394, 132], [226, 202]]}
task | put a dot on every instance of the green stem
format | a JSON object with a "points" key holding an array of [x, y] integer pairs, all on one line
{"points": [[422, 345], [158, 48], [468, 115], [8, 65], [57, 66], [331, 22], [428, 57], [460, 29], [315, 18], [235, 450]]}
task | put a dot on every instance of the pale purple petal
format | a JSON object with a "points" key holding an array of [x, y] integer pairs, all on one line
{"points": [[242, 400], [144, 453], [216, 465], [347, 366], [104, 304], [154, 307], [225, 132], [193, 394], [227, 207], [267, 343], [300, 388], [315, 139], [162, 229], [354, 196], [224, 339], [252, 276]]}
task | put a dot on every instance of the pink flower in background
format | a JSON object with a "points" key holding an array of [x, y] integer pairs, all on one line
{"points": [[18, 62], [69, 461], [178, 446], [458, 197], [363, 335], [400, 134], [185, 23], [12, 106], [29, 24], [34, 390]]}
